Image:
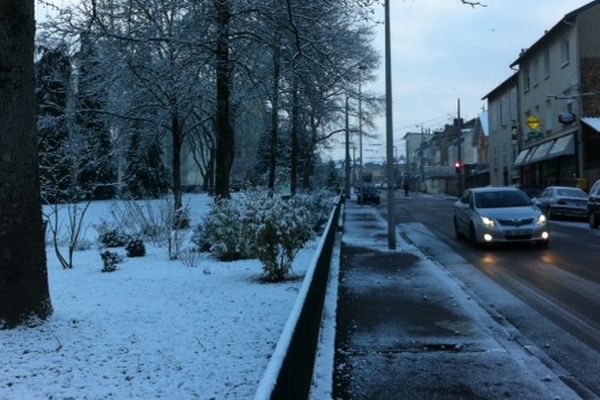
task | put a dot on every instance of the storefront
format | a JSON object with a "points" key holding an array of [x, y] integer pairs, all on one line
{"points": [[552, 162]]}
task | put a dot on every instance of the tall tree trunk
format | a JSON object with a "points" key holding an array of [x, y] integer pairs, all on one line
{"points": [[295, 129], [176, 134], [309, 165], [23, 276], [225, 140], [274, 114]]}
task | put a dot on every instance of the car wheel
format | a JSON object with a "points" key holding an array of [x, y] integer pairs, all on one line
{"points": [[473, 237], [457, 233], [593, 221]]}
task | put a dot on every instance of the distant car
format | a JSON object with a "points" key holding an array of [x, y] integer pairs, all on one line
{"points": [[563, 201], [593, 205], [499, 215], [369, 195]]}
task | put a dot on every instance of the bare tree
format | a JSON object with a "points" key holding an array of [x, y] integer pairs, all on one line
{"points": [[24, 293], [225, 151]]}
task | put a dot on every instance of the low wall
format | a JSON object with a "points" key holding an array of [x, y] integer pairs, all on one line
{"points": [[290, 370]]}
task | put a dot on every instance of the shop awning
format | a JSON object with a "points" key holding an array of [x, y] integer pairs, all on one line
{"points": [[563, 146], [592, 122], [520, 160], [541, 152]]}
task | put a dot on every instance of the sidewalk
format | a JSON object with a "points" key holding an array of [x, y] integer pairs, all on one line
{"points": [[406, 329]]}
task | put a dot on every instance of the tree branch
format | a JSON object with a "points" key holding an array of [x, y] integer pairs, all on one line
{"points": [[473, 3]]}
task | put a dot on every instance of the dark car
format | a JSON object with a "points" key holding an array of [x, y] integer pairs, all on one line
{"points": [[563, 201], [369, 195], [593, 205]]}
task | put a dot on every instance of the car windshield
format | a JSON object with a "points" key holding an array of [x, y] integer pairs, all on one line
{"points": [[501, 199], [570, 193]]}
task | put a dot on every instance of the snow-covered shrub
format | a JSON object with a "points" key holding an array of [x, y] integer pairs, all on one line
{"points": [[156, 221], [135, 248], [112, 237], [142, 217], [281, 228], [84, 244], [319, 205], [225, 230], [176, 239], [110, 261], [191, 258]]}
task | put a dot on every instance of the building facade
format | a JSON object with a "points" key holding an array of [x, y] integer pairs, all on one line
{"points": [[504, 124], [558, 85]]}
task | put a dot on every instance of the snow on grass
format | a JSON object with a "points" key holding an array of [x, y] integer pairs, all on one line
{"points": [[152, 329]]}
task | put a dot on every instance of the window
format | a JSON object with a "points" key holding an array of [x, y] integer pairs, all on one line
{"points": [[501, 199], [546, 64], [514, 111], [535, 72], [565, 55], [465, 197], [569, 106], [595, 189]]}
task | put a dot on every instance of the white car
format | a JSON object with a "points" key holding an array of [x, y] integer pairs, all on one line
{"points": [[499, 214]]}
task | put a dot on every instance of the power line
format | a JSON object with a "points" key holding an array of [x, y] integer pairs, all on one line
{"points": [[429, 121]]}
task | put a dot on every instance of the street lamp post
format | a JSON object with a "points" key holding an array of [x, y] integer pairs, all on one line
{"points": [[459, 155], [421, 161], [389, 133], [360, 132], [347, 161]]}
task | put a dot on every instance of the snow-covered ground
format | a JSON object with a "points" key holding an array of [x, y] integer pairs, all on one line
{"points": [[154, 328]]}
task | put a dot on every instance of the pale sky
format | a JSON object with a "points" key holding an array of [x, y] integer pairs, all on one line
{"points": [[443, 50]]}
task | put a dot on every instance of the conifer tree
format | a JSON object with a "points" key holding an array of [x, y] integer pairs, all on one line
{"points": [[52, 83]]}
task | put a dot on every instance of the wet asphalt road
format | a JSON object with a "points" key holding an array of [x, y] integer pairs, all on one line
{"points": [[558, 286]]}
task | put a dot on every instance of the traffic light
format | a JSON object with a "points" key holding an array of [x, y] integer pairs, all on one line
{"points": [[457, 167]]}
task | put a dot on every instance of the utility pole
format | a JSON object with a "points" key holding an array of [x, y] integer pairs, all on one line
{"points": [[389, 133], [461, 185], [361, 181], [422, 169], [347, 165]]}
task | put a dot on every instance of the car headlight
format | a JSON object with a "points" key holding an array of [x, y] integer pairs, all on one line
{"points": [[542, 219], [490, 223]]}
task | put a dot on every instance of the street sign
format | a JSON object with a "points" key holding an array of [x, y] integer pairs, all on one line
{"points": [[533, 123]]}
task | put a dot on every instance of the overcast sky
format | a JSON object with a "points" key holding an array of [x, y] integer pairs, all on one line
{"points": [[443, 50]]}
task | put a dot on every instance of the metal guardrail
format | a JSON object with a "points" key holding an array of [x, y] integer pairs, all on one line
{"points": [[290, 370]]}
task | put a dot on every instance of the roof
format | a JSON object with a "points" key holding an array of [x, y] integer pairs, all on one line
{"points": [[593, 122], [568, 18], [510, 81]]}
